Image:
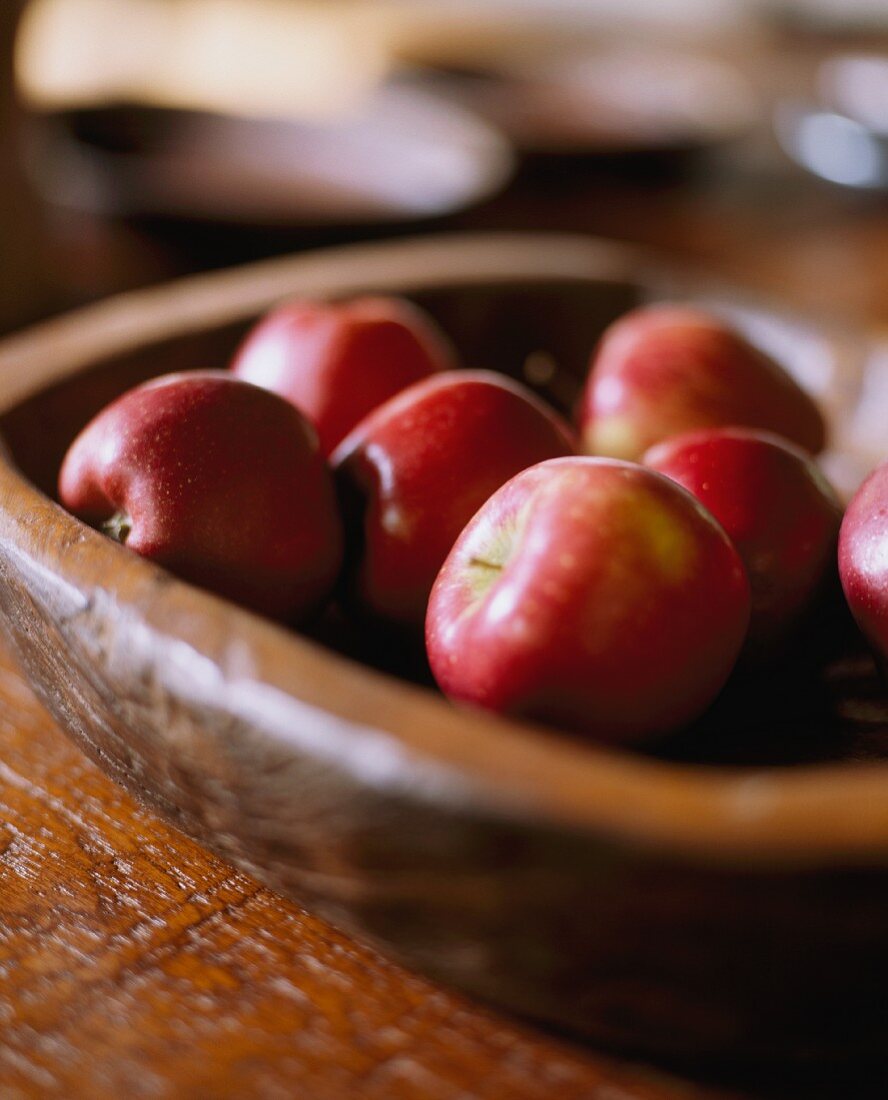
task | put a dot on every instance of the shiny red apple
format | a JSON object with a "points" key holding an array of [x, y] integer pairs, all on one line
{"points": [[217, 480], [416, 470], [776, 507], [666, 369], [863, 559], [592, 594], [336, 361]]}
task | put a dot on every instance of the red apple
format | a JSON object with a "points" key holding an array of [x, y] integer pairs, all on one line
{"points": [[666, 369], [776, 507], [863, 559], [417, 468], [592, 594], [219, 481], [336, 361]]}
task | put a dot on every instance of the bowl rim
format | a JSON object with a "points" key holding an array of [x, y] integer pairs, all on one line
{"points": [[381, 730]]}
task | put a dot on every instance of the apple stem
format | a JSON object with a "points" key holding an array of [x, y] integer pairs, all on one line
{"points": [[492, 565], [118, 527]]}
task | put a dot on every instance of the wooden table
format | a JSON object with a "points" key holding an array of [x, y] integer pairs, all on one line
{"points": [[132, 961]]}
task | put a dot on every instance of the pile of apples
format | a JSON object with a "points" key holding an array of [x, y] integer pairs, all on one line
{"points": [[605, 579]]}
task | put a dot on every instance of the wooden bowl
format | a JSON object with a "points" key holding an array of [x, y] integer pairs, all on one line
{"points": [[655, 903], [407, 156]]}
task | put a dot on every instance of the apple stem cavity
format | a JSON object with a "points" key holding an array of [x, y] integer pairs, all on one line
{"points": [[118, 527]]}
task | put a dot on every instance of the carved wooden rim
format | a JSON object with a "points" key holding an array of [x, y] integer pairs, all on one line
{"points": [[809, 814]]}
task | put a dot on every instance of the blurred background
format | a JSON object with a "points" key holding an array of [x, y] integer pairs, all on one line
{"points": [[147, 138]]}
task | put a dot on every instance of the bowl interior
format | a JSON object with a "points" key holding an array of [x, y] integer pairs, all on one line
{"points": [[823, 702]]}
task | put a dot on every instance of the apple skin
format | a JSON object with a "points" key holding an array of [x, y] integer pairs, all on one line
{"points": [[663, 370], [863, 560], [776, 507], [336, 361], [414, 472], [221, 482], [592, 594]]}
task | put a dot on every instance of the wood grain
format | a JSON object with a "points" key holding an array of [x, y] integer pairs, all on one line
{"points": [[143, 965]]}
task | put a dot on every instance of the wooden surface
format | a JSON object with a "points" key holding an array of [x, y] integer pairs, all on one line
{"points": [[130, 960], [134, 963]]}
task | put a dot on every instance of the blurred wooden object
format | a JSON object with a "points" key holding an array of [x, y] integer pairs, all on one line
{"points": [[259, 57], [19, 278], [303, 58]]}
